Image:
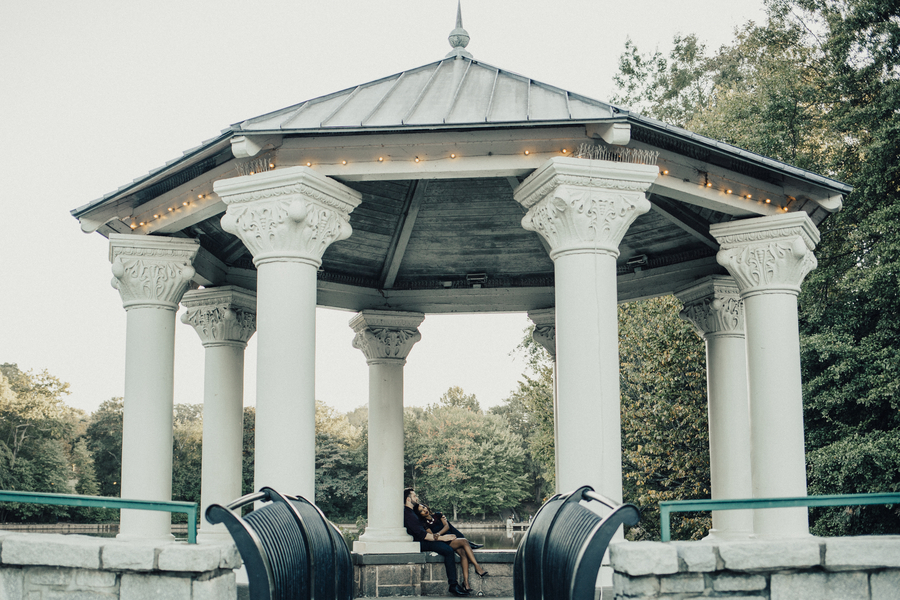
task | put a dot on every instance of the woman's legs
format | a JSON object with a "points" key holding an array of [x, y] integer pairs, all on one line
{"points": [[464, 563], [462, 547]]}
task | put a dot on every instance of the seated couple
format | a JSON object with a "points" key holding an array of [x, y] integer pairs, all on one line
{"points": [[435, 534]]}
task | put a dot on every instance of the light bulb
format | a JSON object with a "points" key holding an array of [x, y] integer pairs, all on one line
{"points": [[171, 209], [308, 164], [727, 191], [768, 201], [417, 159], [184, 203], [343, 162], [527, 153], [708, 184], [380, 159], [665, 172], [452, 155]]}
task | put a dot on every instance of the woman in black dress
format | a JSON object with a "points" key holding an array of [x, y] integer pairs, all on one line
{"points": [[439, 525]]}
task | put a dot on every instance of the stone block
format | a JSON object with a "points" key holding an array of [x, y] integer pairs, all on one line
{"points": [[725, 582], [775, 554], [129, 556], [95, 579], [215, 588], [643, 558], [820, 586], [682, 584], [12, 583], [494, 586], [863, 552], [52, 549], [396, 575], [884, 585], [138, 586], [698, 557], [434, 588], [366, 580], [231, 558], [495, 570], [631, 587], [195, 558], [397, 590], [79, 595], [49, 576]]}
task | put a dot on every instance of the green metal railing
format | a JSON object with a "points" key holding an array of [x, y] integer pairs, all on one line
{"points": [[667, 507], [189, 508]]}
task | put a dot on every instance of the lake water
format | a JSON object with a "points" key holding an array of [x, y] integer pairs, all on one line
{"points": [[495, 539]]}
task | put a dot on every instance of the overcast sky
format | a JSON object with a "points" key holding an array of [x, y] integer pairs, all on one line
{"points": [[94, 94]]}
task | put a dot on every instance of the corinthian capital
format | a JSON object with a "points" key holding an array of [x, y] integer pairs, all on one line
{"points": [[289, 214], [544, 328], [386, 335], [578, 204], [151, 271], [221, 316], [768, 254], [713, 305]]}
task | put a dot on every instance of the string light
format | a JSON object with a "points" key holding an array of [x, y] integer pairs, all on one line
{"points": [[452, 155], [768, 201], [564, 151], [155, 216], [380, 159], [185, 203], [417, 159], [527, 153], [666, 172], [309, 164], [271, 165], [171, 209], [727, 191], [133, 226], [749, 196], [343, 162]]}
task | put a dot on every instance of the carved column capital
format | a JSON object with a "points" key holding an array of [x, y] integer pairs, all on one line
{"points": [[386, 336], [150, 271], [713, 305], [221, 316], [584, 205], [290, 214], [768, 254], [544, 328]]}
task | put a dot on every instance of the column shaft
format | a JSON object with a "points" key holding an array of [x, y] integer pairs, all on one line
{"points": [[588, 381], [147, 419], [285, 457], [776, 411], [223, 434], [729, 432]]}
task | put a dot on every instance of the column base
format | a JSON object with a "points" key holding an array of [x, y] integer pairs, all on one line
{"points": [[130, 537], [360, 547], [724, 535]]}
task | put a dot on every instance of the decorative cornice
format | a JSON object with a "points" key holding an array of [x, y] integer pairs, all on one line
{"points": [[544, 328], [223, 316], [768, 254], [385, 335], [291, 214], [151, 272], [713, 305]]}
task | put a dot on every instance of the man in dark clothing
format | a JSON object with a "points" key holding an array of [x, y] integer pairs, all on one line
{"points": [[429, 542]]}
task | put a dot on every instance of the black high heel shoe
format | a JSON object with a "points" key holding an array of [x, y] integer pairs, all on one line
{"points": [[482, 575]]}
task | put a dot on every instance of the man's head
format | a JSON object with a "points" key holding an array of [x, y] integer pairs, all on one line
{"points": [[409, 497]]}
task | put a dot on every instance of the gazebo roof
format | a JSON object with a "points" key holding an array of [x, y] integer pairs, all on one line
{"points": [[423, 226]]}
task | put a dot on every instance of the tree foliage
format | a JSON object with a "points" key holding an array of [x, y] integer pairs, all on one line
{"points": [[665, 433], [817, 85]]}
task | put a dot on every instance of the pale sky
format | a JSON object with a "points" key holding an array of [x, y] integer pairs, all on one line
{"points": [[95, 94]]}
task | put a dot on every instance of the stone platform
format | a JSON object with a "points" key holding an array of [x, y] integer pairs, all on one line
{"points": [[423, 574], [810, 568]]}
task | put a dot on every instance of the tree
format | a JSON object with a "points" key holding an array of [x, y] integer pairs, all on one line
{"points": [[104, 440], [341, 465], [665, 433], [469, 461], [455, 396], [187, 452], [529, 412]]}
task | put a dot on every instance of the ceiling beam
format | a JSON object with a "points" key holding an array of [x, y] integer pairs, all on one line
{"points": [[395, 255], [684, 219]]}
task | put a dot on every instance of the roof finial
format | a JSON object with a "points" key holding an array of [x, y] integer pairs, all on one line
{"points": [[459, 37]]}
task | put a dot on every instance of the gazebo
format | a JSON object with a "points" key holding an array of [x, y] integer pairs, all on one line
{"points": [[459, 187]]}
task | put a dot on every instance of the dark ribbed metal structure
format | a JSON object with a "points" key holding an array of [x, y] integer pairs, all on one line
{"points": [[290, 549], [559, 558]]}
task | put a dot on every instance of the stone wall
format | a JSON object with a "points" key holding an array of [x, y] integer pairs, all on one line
{"points": [[854, 568], [423, 574], [36, 566]]}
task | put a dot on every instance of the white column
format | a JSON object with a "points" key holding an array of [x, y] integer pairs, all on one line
{"points": [[385, 337], [225, 319], [287, 218], [769, 257], [545, 334], [151, 274], [583, 208], [714, 306]]}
